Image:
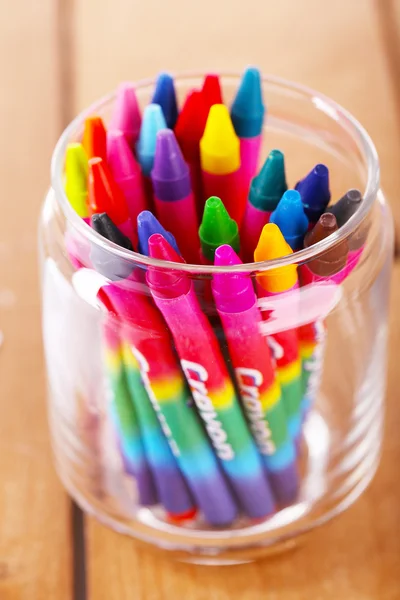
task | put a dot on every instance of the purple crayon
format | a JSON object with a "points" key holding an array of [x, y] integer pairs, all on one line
{"points": [[174, 201], [126, 115], [209, 380], [315, 193], [259, 387]]}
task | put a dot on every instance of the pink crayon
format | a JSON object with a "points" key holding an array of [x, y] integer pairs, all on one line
{"points": [[247, 114], [173, 197], [127, 175], [208, 378], [126, 115]]}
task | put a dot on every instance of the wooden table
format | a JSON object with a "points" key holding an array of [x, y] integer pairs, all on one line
{"points": [[55, 57]]}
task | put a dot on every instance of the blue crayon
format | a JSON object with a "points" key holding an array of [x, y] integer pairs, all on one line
{"points": [[165, 96], [315, 193], [153, 121], [290, 217], [247, 111], [147, 224]]}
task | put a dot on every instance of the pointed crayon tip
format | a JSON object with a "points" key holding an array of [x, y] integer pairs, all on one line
{"points": [[76, 171], [345, 208], [165, 96], [102, 223], [167, 283], [191, 123], [248, 108], [290, 218], [147, 225], [270, 184], [333, 260], [219, 146], [153, 122], [272, 245], [211, 90], [94, 138], [104, 193], [120, 157], [233, 292], [114, 268], [217, 228], [169, 164], [314, 192], [126, 114]]}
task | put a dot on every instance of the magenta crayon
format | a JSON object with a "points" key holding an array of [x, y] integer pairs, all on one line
{"points": [[127, 175], [315, 193], [189, 130], [173, 198], [284, 343], [126, 115], [209, 380], [247, 114], [220, 162], [147, 347], [266, 190], [259, 387]]}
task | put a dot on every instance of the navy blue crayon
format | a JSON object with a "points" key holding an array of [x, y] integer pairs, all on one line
{"points": [[315, 193], [165, 96]]}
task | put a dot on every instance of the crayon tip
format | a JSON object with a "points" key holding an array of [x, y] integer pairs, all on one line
{"points": [[248, 108], [272, 245], [345, 208], [270, 184], [211, 90], [314, 192], [169, 164], [147, 225], [102, 223], [168, 283], [219, 146], [290, 218], [76, 170], [233, 292], [119, 156], [333, 260], [153, 122], [217, 228], [126, 114], [104, 193], [165, 96], [191, 124], [94, 138]]}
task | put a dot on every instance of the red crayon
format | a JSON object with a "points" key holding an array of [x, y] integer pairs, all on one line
{"points": [[211, 90]]}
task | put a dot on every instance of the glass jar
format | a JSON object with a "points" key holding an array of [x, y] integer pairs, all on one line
{"points": [[140, 441]]}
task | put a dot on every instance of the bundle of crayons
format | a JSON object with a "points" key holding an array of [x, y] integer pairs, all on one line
{"points": [[208, 410]]}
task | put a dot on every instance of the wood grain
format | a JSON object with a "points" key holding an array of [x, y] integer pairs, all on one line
{"points": [[35, 561]]}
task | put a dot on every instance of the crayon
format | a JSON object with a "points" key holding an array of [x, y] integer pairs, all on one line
{"points": [[266, 190], [216, 229], [247, 114], [285, 344], [211, 90], [76, 172], [123, 415], [147, 224], [165, 96], [343, 210], [315, 193], [127, 175], [220, 162], [189, 130], [153, 122], [94, 139], [105, 196], [259, 388], [173, 198], [208, 378], [104, 262], [312, 336], [290, 217], [126, 115], [148, 347]]}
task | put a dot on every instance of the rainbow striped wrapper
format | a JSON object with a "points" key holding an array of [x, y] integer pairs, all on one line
{"points": [[312, 347]]}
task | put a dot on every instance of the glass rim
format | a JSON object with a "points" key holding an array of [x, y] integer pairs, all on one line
{"points": [[321, 102]]}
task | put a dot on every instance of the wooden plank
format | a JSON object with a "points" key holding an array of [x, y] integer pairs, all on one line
{"points": [[336, 48], [35, 553]]}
